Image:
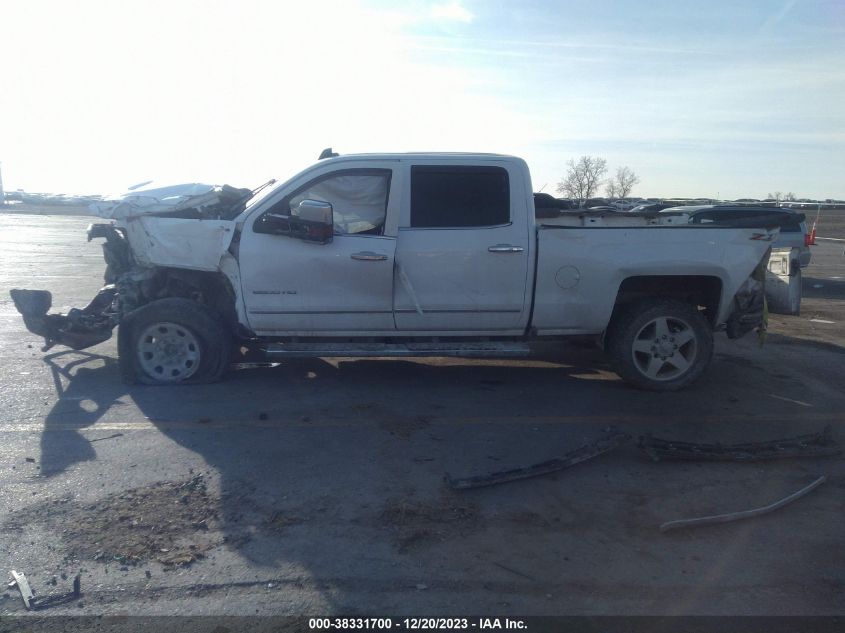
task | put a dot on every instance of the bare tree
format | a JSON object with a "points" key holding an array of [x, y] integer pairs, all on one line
{"points": [[790, 197], [583, 177], [624, 181], [777, 196], [610, 188]]}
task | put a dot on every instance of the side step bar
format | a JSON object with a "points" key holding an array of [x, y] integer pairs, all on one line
{"points": [[463, 350]]}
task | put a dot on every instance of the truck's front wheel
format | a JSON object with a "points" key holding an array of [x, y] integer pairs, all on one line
{"points": [[172, 341], [660, 344]]}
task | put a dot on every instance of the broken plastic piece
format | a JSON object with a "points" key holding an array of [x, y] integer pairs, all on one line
{"points": [[746, 514], [581, 454], [812, 445]]}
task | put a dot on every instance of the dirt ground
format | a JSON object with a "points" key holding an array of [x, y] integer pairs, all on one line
{"points": [[316, 486]]}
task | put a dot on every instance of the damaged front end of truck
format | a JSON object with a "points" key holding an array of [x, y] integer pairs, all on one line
{"points": [[160, 243]]}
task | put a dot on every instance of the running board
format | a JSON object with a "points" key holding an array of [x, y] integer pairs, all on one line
{"points": [[463, 350]]}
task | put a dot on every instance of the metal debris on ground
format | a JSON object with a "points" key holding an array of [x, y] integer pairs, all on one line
{"points": [[513, 571], [812, 445], [22, 584], [32, 603], [581, 454], [107, 437], [746, 514]]}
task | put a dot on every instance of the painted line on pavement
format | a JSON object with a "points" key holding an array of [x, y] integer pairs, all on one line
{"points": [[371, 422]]}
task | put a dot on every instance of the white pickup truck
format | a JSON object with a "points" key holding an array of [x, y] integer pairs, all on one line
{"points": [[406, 255]]}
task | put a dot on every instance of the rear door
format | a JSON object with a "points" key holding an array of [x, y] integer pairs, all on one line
{"points": [[463, 250]]}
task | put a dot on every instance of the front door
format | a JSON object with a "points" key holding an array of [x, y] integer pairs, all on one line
{"points": [[293, 287]]}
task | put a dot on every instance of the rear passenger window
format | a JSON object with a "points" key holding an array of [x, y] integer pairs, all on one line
{"points": [[459, 197]]}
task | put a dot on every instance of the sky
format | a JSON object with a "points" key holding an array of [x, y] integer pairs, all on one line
{"points": [[724, 98]]}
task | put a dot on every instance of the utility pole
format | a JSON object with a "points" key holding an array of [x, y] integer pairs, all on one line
{"points": [[2, 193]]}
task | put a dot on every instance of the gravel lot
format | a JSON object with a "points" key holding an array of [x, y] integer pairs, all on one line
{"points": [[316, 486]]}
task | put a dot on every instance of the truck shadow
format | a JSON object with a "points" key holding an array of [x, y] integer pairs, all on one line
{"points": [[87, 387], [322, 468], [265, 429]]}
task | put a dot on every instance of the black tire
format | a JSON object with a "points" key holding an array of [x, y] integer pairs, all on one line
{"points": [[210, 341], [665, 360]]}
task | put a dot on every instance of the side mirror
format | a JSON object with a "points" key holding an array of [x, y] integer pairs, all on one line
{"points": [[313, 221]]}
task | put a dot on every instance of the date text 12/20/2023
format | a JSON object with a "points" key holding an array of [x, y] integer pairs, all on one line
{"points": [[416, 624]]}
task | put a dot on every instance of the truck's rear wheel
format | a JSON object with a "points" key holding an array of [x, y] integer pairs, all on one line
{"points": [[173, 341], [660, 344]]}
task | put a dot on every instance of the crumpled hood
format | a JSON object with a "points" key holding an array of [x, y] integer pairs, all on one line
{"points": [[146, 199], [183, 226]]}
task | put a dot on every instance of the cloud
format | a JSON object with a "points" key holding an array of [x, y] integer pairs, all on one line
{"points": [[453, 11]]}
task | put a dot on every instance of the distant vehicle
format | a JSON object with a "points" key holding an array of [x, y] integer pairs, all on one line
{"points": [[793, 234], [547, 206], [624, 205], [651, 206], [602, 207]]}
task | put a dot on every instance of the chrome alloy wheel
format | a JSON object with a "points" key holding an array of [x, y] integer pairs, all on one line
{"points": [[168, 352], [664, 348]]}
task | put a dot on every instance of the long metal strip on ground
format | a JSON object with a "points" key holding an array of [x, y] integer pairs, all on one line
{"points": [[572, 458], [812, 445]]}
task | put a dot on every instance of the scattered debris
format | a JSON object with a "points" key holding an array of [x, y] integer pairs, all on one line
{"points": [[262, 416], [31, 460], [418, 523], [171, 522], [746, 514], [512, 570], [108, 437], [22, 584], [812, 445], [581, 454], [793, 401], [54, 600], [280, 520], [422, 586]]}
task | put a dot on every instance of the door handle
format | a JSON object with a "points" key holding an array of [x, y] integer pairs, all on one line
{"points": [[505, 248], [368, 256]]}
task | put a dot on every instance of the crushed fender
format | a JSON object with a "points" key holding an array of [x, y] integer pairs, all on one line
{"points": [[580, 454], [811, 445]]}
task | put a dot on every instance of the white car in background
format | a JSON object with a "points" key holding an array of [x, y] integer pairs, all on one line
{"points": [[625, 205]]}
